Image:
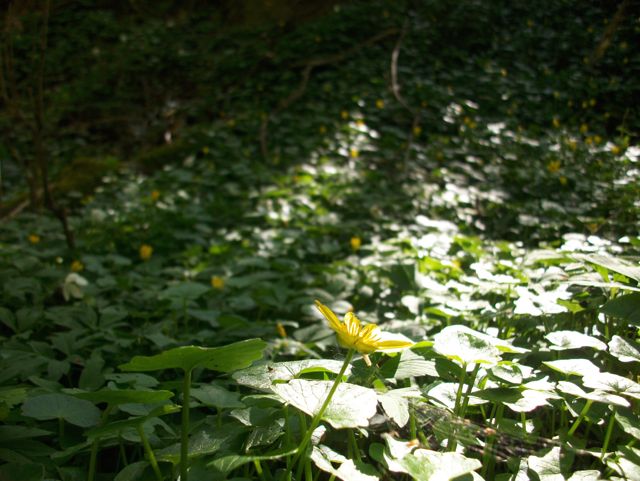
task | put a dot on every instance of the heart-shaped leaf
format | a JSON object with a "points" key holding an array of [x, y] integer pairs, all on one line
{"points": [[225, 359], [262, 376], [350, 407], [61, 406], [574, 340], [625, 351]]}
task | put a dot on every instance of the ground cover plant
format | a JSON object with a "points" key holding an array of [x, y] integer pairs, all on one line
{"points": [[363, 240]]}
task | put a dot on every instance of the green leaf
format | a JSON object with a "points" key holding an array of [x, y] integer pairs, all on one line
{"points": [[624, 307], [629, 421], [132, 472], [612, 383], [413, 365], [445, 394], [227, 463], [263, 376], [530, 400], [91, 377], [574, 340], [597, 396], [124, 396], [20, 432], [206, 440], [350, 407], [612, 264], [625, 462], [577, 367], [426, 465], [21, 472], [459, 343], [225, 359], [216, 396], [119, 426], [323, 456], [396, 405], [547, 467], [624, 351], [60, 406]]}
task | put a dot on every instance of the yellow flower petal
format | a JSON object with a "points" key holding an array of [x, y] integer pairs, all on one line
{"points": [[334, 323], [366, 339]]}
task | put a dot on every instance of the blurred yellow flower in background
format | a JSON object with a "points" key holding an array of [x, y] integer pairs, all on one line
{"points": [[354, 153], [34, 238], [356, 242], [380, 103], [554, 166], [217, 282], [77, 266], [344, 114], [364, 339], [146, 251], [155, 195]]}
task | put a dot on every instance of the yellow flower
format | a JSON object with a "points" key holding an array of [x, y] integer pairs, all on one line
{"points": [[615, 150], [146, 251], [556, 122], [354, 153], [77, 266], [322, 129], [360, 123], [364, 339], [344, 114], [205, 150], [417, 130], [597, 139], [380, 103], [34, 238], [155, 195], [217, 282], [356, 242], [553, 166], [563, 180], [584, 128]]}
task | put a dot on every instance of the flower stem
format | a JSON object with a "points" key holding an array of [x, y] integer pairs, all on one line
{"points": [[607, 436], [184, 439], [318, 416], [149, 452], [581, 416]]}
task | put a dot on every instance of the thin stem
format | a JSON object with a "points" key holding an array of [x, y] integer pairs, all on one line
{"points": [[463, 374], [93, 459], [318, 416], [607, 436], [581, 416], [184, 433], [258, 467], [467, 394], [451, 442], [149, 452]]}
